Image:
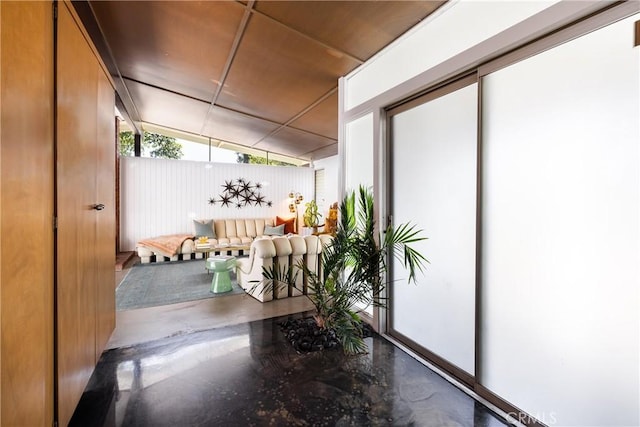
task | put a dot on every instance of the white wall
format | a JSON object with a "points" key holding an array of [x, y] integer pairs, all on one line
{"points": [[331, 166], [461, 24], [159, 196]]}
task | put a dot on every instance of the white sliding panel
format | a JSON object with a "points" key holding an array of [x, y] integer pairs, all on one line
{"points": [[434, 186], [358, 149], [561, 235], [359, 158]]}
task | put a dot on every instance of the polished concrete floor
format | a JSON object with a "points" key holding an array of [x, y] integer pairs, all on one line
{"points": [[147, 324], [225, 362]]}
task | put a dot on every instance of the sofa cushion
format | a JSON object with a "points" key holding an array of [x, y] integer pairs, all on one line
{"points": [[204, 228], [326, 239], [231, 228], [313, 245], [298, 245], [250, 269], [189, 246], [282, 245], [289, 226], [235, 240], [219, 225], [274, 231], [241, 228], [250, 228], [144, 252], [298, 251], [261, 224]]}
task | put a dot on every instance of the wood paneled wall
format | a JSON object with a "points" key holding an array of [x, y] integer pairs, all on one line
{"points": [[85, 178], [26, 212]]}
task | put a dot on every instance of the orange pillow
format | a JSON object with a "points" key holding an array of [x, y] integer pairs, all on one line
{"points": [[289, 227]]}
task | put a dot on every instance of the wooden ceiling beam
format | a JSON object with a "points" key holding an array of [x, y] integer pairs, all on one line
{"points": [[242, 28]]}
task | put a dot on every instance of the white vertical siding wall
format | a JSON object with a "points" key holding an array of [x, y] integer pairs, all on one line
{"points": [[159, 196]]}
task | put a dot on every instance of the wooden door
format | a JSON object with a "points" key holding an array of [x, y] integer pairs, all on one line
{"points": [[85, 171]]}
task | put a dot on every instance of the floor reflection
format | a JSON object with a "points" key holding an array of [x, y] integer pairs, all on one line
{"points": [[248, 375]]}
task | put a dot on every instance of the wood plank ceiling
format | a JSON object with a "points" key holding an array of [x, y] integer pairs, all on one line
{"points": [[261, 74]]}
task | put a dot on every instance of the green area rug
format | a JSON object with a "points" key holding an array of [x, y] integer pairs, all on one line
{"points": [[149, 285]]}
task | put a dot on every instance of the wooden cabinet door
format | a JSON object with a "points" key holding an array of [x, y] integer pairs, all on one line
{"points": [[26, 214], [85, 242], [106, 219]]}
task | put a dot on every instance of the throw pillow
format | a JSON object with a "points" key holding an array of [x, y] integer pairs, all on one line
{"points": [[289, 227], [204, 229], [274, 231]]}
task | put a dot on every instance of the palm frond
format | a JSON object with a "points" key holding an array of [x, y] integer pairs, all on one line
{"points": [[277, 278], [352, 267], [398, 241], [349, 332]]}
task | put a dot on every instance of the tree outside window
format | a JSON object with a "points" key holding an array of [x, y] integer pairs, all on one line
{"points": [[257, 160], [153, 145]]}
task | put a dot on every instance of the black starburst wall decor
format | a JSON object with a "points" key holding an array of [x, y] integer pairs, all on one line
{"points": [[240, 193]]}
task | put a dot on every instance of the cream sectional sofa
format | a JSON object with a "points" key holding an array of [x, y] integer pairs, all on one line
{"points": [[280, 252], [227, 231]]}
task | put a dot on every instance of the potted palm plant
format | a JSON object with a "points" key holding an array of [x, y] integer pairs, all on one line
{"points": [[352, 269]]}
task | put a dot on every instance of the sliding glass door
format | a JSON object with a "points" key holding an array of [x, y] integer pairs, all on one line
{"points": [[561, 231], [433, 185], [532, 293]]}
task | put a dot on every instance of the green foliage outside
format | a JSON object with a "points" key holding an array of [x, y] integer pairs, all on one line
{"points": [[127, 144], [257, 160], [160, 146]]}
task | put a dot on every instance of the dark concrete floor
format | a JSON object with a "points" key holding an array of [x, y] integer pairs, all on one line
{"points": [[248, 375]]}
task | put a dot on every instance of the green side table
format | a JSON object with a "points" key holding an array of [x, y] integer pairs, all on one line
{"points": [[221, 266]]}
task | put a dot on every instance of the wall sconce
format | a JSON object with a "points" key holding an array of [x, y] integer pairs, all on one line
{"points": [[294, 201]]}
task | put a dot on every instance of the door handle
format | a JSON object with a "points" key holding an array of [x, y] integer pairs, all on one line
{"points": [[98, 207]]}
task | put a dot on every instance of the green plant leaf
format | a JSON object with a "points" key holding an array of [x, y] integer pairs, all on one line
{"points": [[352, 268]]}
